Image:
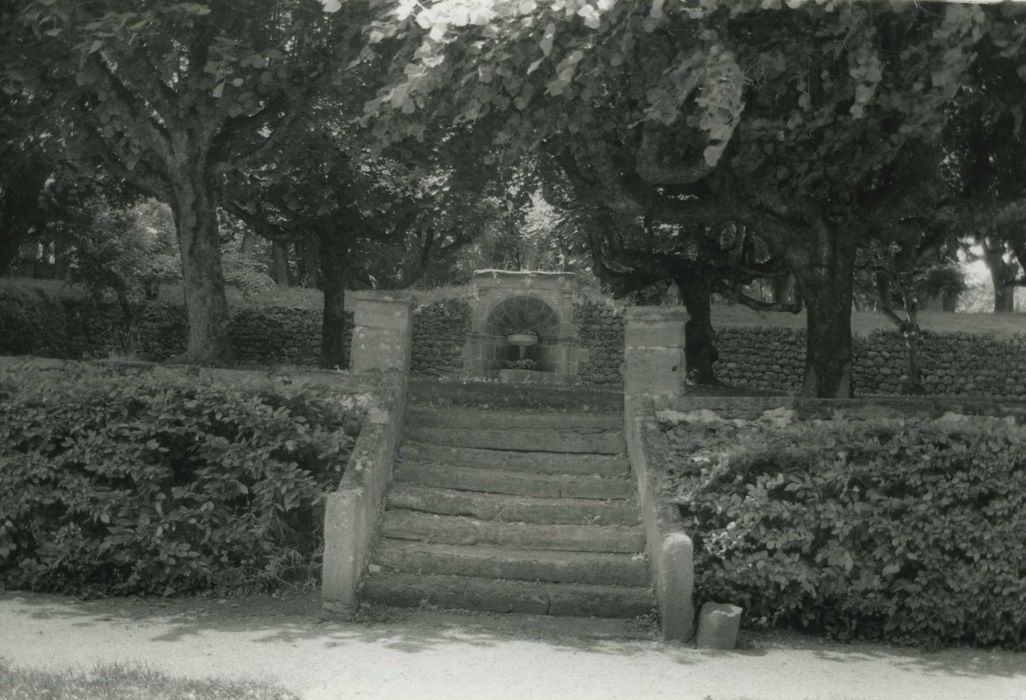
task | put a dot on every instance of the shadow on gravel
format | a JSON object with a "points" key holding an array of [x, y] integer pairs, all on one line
{"points": [[293, 619]]}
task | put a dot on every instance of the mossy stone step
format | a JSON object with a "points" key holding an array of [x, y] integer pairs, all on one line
{"points": [[519, 564], [515, 483], [429, 417], [494, 595], [576, 440], [487, 506], [508, 460], [452, 529]]}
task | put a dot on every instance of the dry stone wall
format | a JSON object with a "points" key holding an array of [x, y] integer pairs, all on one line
{"points": [[440, 330], [765, 358], [599, 330], [771, 359]]}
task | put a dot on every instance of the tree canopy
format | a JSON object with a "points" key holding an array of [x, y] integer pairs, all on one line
{"points": [[168, 95], [809, 123]]}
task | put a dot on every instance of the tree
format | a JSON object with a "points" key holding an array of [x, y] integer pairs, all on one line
{"points": [[168, 94], [114, 251], [987, 154], [799, 123], [630, 253], [375, 220], [909, 261]]}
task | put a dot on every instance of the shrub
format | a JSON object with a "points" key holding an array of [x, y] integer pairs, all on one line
{"points": [[905, 530], [112, 482], [32, 320]]}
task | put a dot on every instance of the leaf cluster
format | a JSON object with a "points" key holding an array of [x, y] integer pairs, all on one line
{"points": [[119, 483], [902, 530]]}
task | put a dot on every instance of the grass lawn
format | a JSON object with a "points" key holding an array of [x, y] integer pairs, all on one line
{"points": [[120, 682]]}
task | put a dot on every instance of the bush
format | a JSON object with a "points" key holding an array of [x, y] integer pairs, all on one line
{"points": [[32, 320], [910, 531], [112, 482]]}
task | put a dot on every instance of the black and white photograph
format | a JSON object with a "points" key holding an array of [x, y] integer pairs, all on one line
{"points": [[513, 349]]}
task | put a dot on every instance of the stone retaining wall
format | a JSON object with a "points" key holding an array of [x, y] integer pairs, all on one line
{"points": [[765, 358], [599, 330], [964, 364], [440, 330]]}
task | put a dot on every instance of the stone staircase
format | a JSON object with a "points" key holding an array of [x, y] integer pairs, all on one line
{"points": [[504, 511]]}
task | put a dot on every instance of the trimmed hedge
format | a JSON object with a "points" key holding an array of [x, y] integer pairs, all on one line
{"points": [[57, 323], [32, 321], [116, 482], [904, 530]]}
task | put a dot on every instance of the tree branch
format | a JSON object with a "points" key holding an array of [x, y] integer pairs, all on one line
{"points": [[652, 170]]}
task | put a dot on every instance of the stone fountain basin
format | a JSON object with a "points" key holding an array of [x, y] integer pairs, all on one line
{"points": [[522, 339]]}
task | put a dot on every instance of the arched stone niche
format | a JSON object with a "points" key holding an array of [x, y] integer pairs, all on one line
{"points": [[507, 302]]}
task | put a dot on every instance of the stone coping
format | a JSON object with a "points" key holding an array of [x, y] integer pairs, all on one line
{"points": [[669, 547], [351, 511]]}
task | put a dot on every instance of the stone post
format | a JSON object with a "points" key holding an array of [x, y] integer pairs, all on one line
{"points": [[654, 367], [382, 330], [654, 352], [382, 340]]}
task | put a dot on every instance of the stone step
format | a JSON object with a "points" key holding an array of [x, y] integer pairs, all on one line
{"points": [[520, 564], [495, 595], [487, 506], [450, 529], [507, 460], [577, 440], [430, 417], [515, 483]]}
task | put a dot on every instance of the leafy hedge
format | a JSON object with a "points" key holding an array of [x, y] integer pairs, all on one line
{"points": [[905, 530], [32, 320], [141, 483]]}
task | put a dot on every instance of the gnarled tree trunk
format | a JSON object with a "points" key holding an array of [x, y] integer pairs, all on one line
{"points": [[823, 271], [700, 353], [1002, 274], [195, 214], [279, 263]]}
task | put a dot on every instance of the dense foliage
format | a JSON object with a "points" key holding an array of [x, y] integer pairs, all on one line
{"points": [[32, 321], [113, 482], [905, 530]]}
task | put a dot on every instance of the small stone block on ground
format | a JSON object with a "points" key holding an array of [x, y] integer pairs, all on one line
{"points": [[718, 626]]}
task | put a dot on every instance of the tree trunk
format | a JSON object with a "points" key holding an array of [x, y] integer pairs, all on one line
{"points": [[700, 353], [913, 383], [824, 270], [60, 260], [333, 283], [310, 254], [1001, 273], [949, 300], [195, 214], [279, 263], [783, 289]]}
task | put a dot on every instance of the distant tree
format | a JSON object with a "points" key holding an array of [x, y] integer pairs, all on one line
{"points": [[166, 94], [986, 147], [376, 220]]}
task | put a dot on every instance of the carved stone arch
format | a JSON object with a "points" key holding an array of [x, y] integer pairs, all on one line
{"points": [[518, 301]]}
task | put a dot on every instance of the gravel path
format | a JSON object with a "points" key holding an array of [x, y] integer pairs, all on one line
{"points": [[428, 655]]}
